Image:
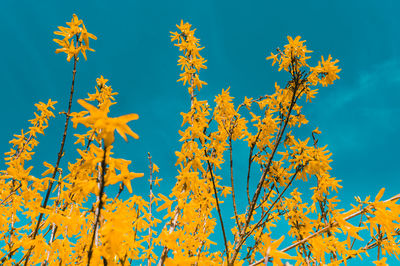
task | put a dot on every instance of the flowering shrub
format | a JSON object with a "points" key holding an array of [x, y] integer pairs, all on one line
{"points": [[66, 216]]}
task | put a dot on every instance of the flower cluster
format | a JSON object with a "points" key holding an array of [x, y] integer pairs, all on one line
{"points": [[325, 73], [75, 30], [98, 119], [294, 55], [191, 61], [24, 144], [76, 217]]}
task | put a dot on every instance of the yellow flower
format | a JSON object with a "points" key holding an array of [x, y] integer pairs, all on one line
{"points": [[325, 73], [76, 29], [69, 49], [86, 35], [381, 262], [99, 120], [155, 168], [50, 169], [316, 131], [274, 57], [101, 82]]}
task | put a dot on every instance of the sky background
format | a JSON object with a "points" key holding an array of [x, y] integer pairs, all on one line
{"points": [[358, 115]]}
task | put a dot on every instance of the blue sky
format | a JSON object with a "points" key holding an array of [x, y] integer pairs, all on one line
{"points": [[358, 115]]}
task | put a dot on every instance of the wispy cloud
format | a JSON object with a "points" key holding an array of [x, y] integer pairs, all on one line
{"points": [[355, 114], [375, 88]]}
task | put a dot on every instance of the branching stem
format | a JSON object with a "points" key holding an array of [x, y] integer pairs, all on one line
{"points": [[60, 155]]}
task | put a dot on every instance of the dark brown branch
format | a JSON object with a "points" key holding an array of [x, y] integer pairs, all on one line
{"points": [[150, 203], [12, 192], [246, 235], [219, 211], [251, 159], [232, 182], [260, 185], [60, 155], [100, 207]]}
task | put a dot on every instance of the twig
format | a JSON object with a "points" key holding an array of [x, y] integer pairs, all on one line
{"points": [[60, 154], [219, 211], [270, 207], [251, 159], [12, 192], [100, 206], [232, 182], [267, 256], [98, 197], [174, 223], [150, 203], [53, 226], [121, 188], [260, 185]]}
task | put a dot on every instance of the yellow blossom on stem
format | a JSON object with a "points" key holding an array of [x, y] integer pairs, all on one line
{"points": [[325, 73], [75, 30], [99, 119]]}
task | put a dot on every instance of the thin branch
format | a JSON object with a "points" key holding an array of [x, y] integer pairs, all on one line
{"points": [[121, 188], [11, 253], [53, 226], [150, 203], [251, 159], [219, 211], [201, 243], [98, 197], [240, 242], [379, 242], [100, 207], [60, 155], [335, 224], [12, 192], [245, 236], [359, 225], [174, 223], [232, 182], [367, 247], [266, 258]]}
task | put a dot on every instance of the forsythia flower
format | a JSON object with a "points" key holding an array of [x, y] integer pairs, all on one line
{"points": [[325, 73], [381, 262], [76, 29], [295, 51], [98, 119], [117, 230], [192, 61], [316, 131]]}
